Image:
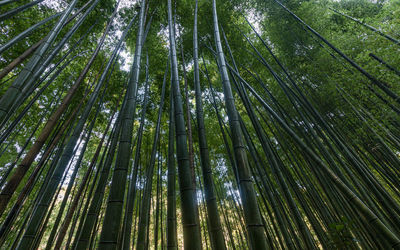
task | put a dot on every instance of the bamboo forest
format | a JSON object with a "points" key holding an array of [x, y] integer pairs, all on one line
{"points": [[199, 124]]}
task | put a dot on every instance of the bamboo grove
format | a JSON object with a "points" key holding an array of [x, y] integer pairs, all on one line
{"points": [[199, 124]]}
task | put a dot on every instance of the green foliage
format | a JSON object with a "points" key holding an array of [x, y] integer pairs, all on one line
{"points": [[340, 236], [322, 76]]}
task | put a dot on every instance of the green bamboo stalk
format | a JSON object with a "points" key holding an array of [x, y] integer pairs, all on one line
{"points": [[251, 212], [141, 242], [13, 93], [216, 233], [26, 32], [172, 243], [17, 10], [24, 166], [112, 218], [191, 230], [369, 216], [39, 213]]}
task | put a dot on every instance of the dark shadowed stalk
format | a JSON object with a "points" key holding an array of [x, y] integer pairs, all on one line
{"points": [[216, 233], [26, 32], [145, 204], [252, 215], [84, 236], [14, 91], [17, 61], [191, 230], [131, 195], [17, 10], [113, 214], [374, 221], [23, 167], [39, 213], [172, 243]]}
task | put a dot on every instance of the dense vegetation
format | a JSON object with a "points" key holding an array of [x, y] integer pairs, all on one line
{"points": [[200, 124]]}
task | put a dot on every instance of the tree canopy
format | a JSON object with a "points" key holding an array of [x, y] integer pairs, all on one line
{"points": [[199, 124]]}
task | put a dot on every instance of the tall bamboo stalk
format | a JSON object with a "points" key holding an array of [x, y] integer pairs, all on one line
{"points": [[112, 218], [14, 92], [216, 233], [141, 242], [23, 167], [191, 230], [252, 215], [171, 193]]}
